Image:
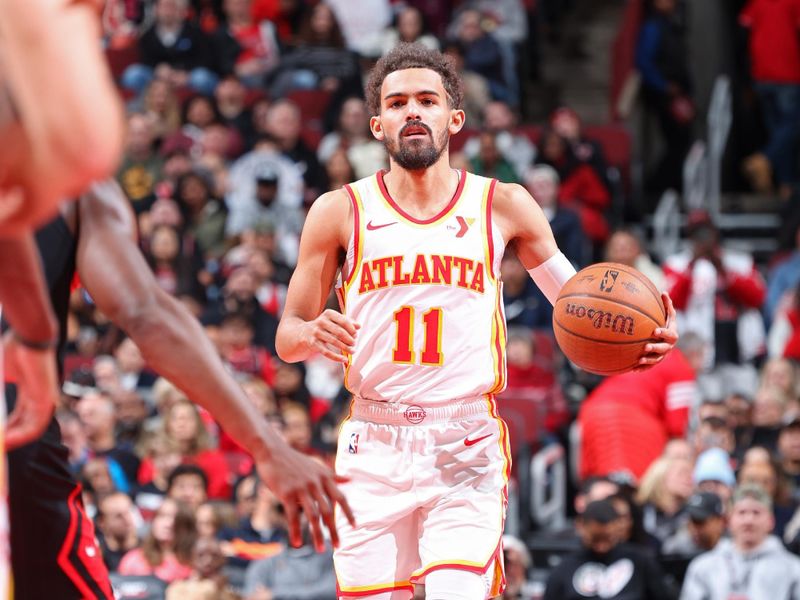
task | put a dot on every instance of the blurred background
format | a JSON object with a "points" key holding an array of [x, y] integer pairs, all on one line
{"points": [[662, 134]]}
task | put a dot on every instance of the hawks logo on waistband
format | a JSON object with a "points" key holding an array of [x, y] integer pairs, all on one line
{"points": [[415, 414], [433, 269]]}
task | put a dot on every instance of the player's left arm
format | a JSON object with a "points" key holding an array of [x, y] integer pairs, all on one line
{"points": [[171, 340], [527, 231]]}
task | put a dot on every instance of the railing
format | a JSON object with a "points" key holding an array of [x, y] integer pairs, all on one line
{"points": [[548, 487], [667, 225]]}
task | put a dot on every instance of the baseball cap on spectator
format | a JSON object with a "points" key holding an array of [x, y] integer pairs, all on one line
{"points": [[266, 175], [704, 505], [714, 465], [600, 511], [81, 381], [754, 492]]}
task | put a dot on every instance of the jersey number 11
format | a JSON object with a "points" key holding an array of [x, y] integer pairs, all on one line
{"points": [[431, 354]]}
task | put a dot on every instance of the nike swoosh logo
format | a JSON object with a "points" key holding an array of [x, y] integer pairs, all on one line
{"points": [[469, 442], [372, 227]]}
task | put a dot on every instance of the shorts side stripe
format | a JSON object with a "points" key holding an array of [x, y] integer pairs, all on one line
{"points": [[69, 540], [462, 565], [98, 581], [369, 590]]}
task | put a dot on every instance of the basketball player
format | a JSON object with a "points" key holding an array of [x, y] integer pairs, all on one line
{"points": [[422, 340], [28, 351], [61, 124], [53, 550], [61, 120]]}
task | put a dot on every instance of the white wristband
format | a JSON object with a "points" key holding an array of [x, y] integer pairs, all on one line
{"points": [[552, 274]]}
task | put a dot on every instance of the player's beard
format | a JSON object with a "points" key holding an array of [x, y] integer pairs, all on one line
{"points": [[416, 154]]}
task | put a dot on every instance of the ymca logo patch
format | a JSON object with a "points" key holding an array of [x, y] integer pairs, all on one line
{"points": [[352, 447]]}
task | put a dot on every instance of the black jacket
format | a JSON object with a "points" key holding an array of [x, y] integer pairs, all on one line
{"points": [[193, 48], [626, 573]]}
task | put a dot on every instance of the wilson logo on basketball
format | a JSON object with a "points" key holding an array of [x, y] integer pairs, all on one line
{"points": [[617, 323]]}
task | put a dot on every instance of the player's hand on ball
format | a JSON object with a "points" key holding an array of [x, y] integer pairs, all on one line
{"points": [[301, 482], [34, 371], [668, 336], [332, 334]]}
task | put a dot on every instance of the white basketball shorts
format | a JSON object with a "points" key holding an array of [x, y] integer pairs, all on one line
{"points": [[428, 486]]}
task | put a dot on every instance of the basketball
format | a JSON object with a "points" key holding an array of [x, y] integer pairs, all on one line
{"points": [[604, 316]]}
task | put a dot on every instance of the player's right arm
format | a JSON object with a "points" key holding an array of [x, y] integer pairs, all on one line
{"points": [[306, 328]]}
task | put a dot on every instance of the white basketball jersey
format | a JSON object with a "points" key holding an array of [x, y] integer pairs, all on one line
{"points": [[427, 296]]}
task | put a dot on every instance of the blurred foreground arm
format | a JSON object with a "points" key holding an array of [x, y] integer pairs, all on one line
{"points": [[67, 128], [172, 341]]}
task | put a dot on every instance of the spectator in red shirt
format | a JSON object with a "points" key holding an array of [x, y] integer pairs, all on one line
{"points": [[184, 426], [250, 44], [581, 188], [628, 419], [784, 335], [717, 293], [239, 352], [567, 123], [774, 27]]}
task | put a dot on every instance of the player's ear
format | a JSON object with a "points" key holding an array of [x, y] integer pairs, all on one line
{"points": [[376, 128], [457, 120]]}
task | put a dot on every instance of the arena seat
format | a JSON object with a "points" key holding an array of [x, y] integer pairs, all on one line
{"points": [[312, 105], [458, 141]]}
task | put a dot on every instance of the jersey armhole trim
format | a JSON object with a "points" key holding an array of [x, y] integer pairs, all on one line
{"points": [[355, 199], [488, 197]]}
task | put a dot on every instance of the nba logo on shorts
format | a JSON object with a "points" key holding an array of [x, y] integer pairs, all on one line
{"points": [[352, 448]]}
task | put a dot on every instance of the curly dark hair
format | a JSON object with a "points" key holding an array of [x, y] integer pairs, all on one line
{"points": [[414, 56]]}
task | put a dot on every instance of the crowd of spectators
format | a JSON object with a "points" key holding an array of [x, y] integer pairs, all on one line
{"points": [[225, 153]]}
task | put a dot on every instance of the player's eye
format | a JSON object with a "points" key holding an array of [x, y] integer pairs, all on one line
{"points": [[427, 102], [396, 104]]}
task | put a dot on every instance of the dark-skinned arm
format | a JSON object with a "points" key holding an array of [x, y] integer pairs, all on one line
{"points": [[23, 293], [29, 352], [119, 280]]}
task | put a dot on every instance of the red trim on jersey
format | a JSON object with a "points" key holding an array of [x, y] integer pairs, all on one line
{"points": [[489, 238], [344, 594], [462, 567], [69, 539], [382, 185], [356, 234]]}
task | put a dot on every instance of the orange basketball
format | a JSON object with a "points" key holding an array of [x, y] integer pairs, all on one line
{"points": [[604, 316]]}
